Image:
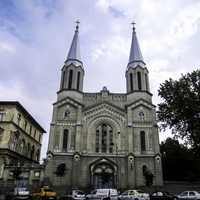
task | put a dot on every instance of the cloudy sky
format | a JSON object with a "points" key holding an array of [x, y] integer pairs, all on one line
{"points": [[35, 36]]}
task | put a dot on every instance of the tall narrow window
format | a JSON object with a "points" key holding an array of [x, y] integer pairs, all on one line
{"points": [[1, 116], [146, 81], [131, 81], [25, 125], [78, 80], [19, 118], [33, 152], [35, 132], [38, 155], [65, 139], [70, 79], [63, 80], [97, 140], [1, 133], [142, 140], [111, 142], [30, 129], [104, 138], [28, 150], [40, 137], [139, 80]]}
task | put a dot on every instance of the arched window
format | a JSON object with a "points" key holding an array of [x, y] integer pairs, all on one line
{"points": [[111, 141], [142, 141], [32, 152], [14, 140], [78, 80], [131, 81], [66, 113], [97, 141], [104, 138], [22, 146], [146, 81], [139, 80], [63, 80], [1, 133], [65, 139], [38, 155], [70, 79], [28, 150], [144, 169], [141, 115]]}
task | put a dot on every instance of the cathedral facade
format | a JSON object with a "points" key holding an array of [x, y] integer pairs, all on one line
{"points": [[104, 139]]}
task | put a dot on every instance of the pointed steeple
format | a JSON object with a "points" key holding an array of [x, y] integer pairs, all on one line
{"points": [[135, 56], [74, 51]]}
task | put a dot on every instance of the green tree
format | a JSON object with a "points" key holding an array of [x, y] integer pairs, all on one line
{"points": [[180, 108], [178, 161]]}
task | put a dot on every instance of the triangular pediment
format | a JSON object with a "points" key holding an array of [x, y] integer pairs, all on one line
{"points": [[69, 101], [104, 108], [141, 102]]}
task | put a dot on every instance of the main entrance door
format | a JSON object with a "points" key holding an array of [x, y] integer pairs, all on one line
{"points": [[103, 176]]}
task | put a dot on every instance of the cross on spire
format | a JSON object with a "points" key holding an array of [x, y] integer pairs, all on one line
{"points": [[133, 24], [77, 24], [135, 52]]}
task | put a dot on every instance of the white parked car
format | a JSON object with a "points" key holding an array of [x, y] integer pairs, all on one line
{"points": [[21, 193], [103, 194], [189, 195], [134, 195], [75, 195], [78, 195]]}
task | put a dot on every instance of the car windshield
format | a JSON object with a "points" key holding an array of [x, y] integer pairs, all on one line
{"points": [[125, 193], [21, 189], [48, 190], [140, 191], [79, 192]]}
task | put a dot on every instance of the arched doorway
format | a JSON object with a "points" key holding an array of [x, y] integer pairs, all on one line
{"points": [[103, 175]]}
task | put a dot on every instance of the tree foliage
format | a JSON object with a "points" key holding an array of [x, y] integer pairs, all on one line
{"points": [[180, 108], [179, 162]]}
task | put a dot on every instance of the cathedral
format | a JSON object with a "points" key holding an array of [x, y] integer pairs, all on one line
{"points": [[104, 139]]}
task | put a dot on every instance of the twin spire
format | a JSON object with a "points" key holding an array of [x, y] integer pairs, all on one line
{"points": [[74, 55], [135, 56]]}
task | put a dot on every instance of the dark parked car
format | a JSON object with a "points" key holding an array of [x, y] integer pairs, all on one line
{"points": [[162, 195]]}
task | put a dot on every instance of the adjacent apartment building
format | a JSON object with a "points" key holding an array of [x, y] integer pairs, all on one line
{"points": [[20, 145]]}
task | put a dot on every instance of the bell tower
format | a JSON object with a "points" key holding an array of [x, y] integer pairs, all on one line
{"points": [[72, 71], [137, 79]]}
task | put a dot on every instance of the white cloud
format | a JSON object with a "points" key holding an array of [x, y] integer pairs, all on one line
{"points": [[7, 48], [33, 50]]}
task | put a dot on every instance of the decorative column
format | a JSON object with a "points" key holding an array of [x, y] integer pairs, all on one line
{"points": [[78, 130], [130, 132]]}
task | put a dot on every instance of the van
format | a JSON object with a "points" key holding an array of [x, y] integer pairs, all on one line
{"points": [[103, 194]]}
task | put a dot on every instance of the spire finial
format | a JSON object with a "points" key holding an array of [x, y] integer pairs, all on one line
{"points": [[135, 53], [133, 24], [77, 24]]}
